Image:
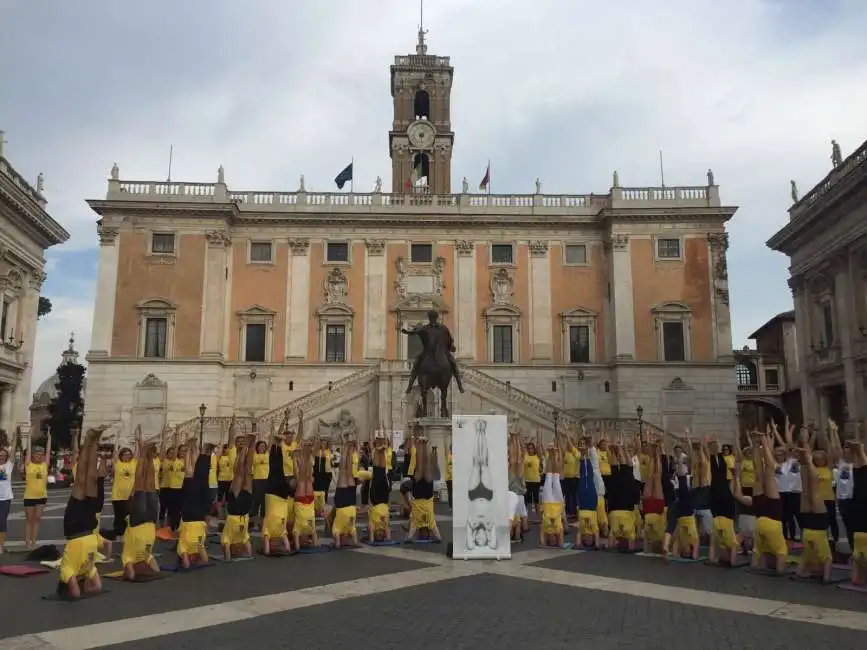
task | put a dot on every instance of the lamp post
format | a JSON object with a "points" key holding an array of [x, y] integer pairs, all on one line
{"points": [[640, 412], [202, 410], [556, 420]]}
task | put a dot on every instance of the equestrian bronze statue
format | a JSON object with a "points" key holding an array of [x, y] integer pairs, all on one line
{"points": [[436, 365]]}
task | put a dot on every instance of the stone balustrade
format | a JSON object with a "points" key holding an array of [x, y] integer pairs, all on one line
{"points": [[852, 162], [379, 202]]}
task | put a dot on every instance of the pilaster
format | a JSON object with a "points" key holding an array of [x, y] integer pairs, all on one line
{"points": [[298, 318], [106, 289], [375, 294], [809, 399], [718, 244], [465, 295], [623, 298], [22, 397], [541, 324], [215, 294]]}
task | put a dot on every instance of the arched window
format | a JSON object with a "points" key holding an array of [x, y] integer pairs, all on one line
{"points": [[746, 374], [421, 170], [421, 105]]}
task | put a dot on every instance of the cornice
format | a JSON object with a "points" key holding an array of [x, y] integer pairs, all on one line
{"points": [[39, 225], [220, 209]]}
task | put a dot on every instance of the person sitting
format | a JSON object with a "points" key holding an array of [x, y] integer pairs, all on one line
{"points": [[378, 527], [423, 525], [193, 530], [78, 573], [344, 513], [235, 538], [552, 531], [139, 537]]}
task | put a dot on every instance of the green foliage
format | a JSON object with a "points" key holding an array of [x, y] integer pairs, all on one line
{"points": [[66, 410], [44, 307]]}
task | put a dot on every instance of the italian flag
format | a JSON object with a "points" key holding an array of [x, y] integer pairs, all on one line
{"points": [[487, 179], [415, 176]]}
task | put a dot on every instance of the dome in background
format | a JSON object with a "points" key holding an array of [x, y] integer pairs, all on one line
{"points": [[47, 390]]}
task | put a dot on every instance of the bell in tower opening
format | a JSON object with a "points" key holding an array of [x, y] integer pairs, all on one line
{"points": [[421, 136]]}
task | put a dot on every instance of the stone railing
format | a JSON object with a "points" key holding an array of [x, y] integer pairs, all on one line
{"points": [[422, 61], [855, 160], [19, 181], [259, 201]]}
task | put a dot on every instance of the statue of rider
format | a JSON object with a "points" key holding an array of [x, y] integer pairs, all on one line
{"points": [[423, 332]]}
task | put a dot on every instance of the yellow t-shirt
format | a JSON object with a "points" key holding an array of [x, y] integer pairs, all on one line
{"points": [[388, 466], [260, 466], [748, 473], [449, 463], [166, 473], [288, 461], [532, 466], [212, 472], [604, 465], [157, 465], [570, 463], [74, 470], [355, 460], [730, 466], [411, 471], [644, 467], [225, 468], [36, 481], [826, 483], [176, 474], [124, 480]]}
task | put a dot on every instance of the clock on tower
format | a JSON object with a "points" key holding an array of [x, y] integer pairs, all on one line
{"points": [[421, 136]]}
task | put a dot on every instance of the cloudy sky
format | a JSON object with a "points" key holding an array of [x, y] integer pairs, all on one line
{"points": [[565, 90]]}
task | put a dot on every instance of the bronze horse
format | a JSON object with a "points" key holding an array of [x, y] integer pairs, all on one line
{"points": [[435, 370]]}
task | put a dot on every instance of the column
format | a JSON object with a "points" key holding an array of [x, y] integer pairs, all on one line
{"points": [[6, 421], [847, 329], [809, 399], [106, 288], [623, 299], [29, 302], [465, 296], [215, 294], [541, 324], [719, 299], [375, 307], [298, 318]]}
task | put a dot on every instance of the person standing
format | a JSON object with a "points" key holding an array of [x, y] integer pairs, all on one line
{"points": [[5, 494]]}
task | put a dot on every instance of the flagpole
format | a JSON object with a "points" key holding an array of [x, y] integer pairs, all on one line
{"points": [[352, 178], [489, 177], [171, 154], [661, 170]]}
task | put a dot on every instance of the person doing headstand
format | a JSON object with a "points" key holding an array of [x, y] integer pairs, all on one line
{"points": [[552, 532], [724, 544], [423, 523], [517, 489], [196, 499], [378, 518], [343, 515], [139, 537], [621, 501], [235, 538], [304, 534], [816, 557], [653, 502], [277, 492]]}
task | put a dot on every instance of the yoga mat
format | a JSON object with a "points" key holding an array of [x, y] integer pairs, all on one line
{"points": [[739, 563], [630, 551], [384, 542], [309, 550], [193, 567], [429, 540], [21, 570], [342, 547], [837, 577], [278, 553], [236, 558], [139, 577], [85, 595], [850, 587], [685, 560], [770, 573]]}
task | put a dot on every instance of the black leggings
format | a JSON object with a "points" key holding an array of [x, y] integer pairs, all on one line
{"points": [[259, 487], [570, 494], [449, 488], [121, 510], [174, 504], [164, 506], [531, 496], [791, 506], [846, 508], [831, 507]]}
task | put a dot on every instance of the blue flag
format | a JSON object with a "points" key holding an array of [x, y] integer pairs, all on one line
{"points": [[344, 177]]}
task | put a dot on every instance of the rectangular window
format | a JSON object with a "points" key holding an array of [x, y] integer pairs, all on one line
{"points": [[254, 348], [260, 251], [421, 253], [668, 249], [772, 379], [828, 323], [335, 344], [502, 254], [503, 348], [576, 254], [163, 243], [579, 344], [156, 332], [336, 252], [4, 320], [673, 344]]}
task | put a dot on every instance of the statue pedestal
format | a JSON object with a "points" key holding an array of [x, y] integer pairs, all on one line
{"points": [[438, 431]]}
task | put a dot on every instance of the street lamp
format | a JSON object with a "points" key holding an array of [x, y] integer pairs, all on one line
{"points": [[556, 420], [640, 412], [202, 410]]}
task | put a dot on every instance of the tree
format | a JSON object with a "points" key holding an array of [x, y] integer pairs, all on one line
{"points": [[44, 307], [66, 410]]}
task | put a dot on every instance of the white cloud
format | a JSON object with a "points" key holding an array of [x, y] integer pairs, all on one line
{"points": [[563, 90]]}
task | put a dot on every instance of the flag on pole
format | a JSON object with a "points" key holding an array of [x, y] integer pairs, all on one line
{"points": [[344, 177], [415, 176], [487, 178]]}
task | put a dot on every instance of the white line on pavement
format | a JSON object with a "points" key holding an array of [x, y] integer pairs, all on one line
{"points": [[157, 625]]}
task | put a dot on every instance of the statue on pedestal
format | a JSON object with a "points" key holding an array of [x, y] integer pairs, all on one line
{"points": [[436, 365]]}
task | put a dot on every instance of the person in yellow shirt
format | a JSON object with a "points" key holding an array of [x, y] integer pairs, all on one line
{"points": [[422, 522], [275, 536], [289, 446], [517, 489], [139, 537], [304, 533], [123, 481], [260, 482], [604, 467], [406, 484], [343, 515], [825, 485], [532, 477], [816, 557], [378, 518], [166, 462], [77, 572], [235, 538], [177, 473], [321, 477], [653, 503], [35, 489], [449, 468], [569, 480], [196, 504], [552, 531]]}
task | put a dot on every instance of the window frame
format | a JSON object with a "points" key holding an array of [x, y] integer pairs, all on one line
{"points": [[673, 312], [163, 233], [429, 244], [330, 262], [260, 242], [512, 255], [147, 321], [579, 317], [247, 327], [494, 329], [583, 245], [335, 314], [658, 239], [344, 354], [255, 315], [156, 308], [503, 315]]}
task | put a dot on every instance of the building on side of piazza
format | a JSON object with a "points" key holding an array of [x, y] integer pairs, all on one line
{"points": [[26, 231], [561, 306], [826, 241]]}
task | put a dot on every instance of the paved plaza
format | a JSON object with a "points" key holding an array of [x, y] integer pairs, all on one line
{"points": [[414, 596]]}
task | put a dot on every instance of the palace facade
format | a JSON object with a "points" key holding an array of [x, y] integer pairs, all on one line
{"points": [[563, 307]]}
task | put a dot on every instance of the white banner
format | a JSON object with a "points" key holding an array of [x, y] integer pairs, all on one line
{"points": [[480, 486]]}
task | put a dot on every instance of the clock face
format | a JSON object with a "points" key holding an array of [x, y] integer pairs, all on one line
{"points": [[421, 134]]}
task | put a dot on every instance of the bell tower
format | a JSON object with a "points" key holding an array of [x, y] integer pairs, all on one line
{"points": [[421, 137]]}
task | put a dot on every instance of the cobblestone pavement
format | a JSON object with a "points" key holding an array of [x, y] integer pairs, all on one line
{"points": [[398, 595]]}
